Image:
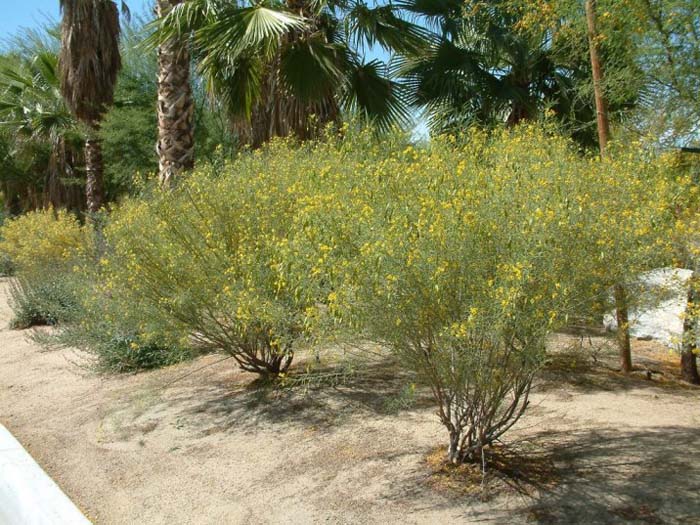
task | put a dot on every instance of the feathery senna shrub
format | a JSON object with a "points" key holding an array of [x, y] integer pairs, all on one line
{"points": [[217, 256], [462, 257]]}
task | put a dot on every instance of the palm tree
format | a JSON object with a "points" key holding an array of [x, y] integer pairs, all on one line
{"points": [[175, 103], [479, 69], [89, 61], [43, 145], [483, 67], [290, 67]]}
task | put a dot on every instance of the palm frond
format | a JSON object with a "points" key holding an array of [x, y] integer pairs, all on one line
{"points": [[381, 100], [381, 25], [312, 58]]}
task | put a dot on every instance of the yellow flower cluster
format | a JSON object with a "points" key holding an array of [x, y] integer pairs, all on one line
{"points": [[44, 240], [509, 232]]}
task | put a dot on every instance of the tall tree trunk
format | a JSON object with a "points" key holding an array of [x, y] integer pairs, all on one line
{"points": [[600, 102], [94, 168], [175, 106], [689, 360], [623, 332], [623, 335]]}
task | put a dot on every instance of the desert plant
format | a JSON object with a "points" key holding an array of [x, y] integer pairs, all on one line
{"points": [[120, 337], [42, 301], [43, 248], [462, 257], [43, 240], [203, 257]]}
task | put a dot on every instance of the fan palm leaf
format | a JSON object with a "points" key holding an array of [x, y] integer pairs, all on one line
{"points": [[291, 67]]}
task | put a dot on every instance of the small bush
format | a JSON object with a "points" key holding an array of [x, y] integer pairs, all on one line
{"points": [[44, 240], [121, 335], [43, 248], [42, 301], [6, 267], [117, 350]]}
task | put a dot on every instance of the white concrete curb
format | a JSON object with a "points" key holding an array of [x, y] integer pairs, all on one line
{"points": [[28, 496]]}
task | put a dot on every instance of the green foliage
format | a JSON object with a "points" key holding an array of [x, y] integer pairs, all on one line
{"points": [[42, 300], [128, 134], [6, 266], [668, 47], [43, 247], [279, 69], [40, 145], [120, 336], [506, 61], [649, 53]]}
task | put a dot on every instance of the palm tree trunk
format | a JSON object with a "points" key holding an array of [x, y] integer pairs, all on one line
{"points": [[94, 167], [175, 106]]}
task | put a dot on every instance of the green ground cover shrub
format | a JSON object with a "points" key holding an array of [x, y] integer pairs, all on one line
{"points": [[121, 335], [44, 248]]}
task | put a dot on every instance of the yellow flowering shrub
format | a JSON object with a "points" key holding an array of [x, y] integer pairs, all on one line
{"points": [[43, 240], [205, 256], [43, 247], [461, 256]]}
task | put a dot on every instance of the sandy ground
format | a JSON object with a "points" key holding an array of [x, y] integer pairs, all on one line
{"points": [[210, 448]]}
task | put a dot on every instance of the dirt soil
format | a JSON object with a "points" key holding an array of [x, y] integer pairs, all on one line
{"points": [[200, 443]]}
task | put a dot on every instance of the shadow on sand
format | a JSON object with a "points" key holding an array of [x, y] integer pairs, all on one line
{"points": [[593, 476], [616, 476]]}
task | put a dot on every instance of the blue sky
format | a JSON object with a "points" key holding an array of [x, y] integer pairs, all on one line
{"points": [[25, 13], [32, 13]]}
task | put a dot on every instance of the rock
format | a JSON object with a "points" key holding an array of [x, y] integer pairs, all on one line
{"points": [[660, 320]]}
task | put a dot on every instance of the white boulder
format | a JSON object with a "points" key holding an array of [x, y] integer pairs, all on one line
{"points": [[662, 317]]}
